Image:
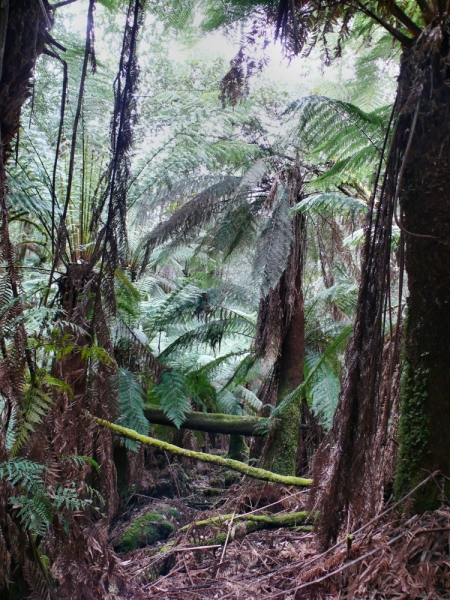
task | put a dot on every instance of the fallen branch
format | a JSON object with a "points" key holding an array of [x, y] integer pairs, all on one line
{"points": [[211, 422], [229, 463]]}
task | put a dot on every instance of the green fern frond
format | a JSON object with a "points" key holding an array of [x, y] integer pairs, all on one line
{"points": [[195, 213], [171, 395], [211, 334], [131, 402], [35, 513], [248, 398], [22, 471], [322, 391], [229, 403], [331, 204], [272, 248]]}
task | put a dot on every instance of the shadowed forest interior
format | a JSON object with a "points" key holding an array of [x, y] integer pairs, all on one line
{"points": [[224, 299]]}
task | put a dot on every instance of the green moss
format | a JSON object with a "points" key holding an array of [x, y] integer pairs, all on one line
{"points": [[414, 431], [231, 477], [172, 512], [212, 491], [217, 481], [282, 453], [236, 465], [220, 539], [238, 449], [145, 530]]}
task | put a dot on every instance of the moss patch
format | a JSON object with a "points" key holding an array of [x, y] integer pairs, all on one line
{"points": [[414, 429], [145, 530]]}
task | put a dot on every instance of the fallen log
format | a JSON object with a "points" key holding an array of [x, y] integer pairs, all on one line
{"points": [[254, 522], [229, 463], [211, 422]]}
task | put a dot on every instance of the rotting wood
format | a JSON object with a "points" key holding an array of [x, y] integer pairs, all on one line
{"points": [[210, 422], [257, 521], [235, 465]]}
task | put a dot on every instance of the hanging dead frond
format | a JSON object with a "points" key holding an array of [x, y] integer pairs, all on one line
{"points": [[347, 462]]}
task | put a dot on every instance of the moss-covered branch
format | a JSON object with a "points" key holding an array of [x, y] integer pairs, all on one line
{"points": [[211, 422], [209, 458], [255, 522]]}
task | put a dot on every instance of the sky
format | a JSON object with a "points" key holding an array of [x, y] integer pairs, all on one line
{"points": [[298, 76]]}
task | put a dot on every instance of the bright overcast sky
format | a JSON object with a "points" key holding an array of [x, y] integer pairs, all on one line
{"points": [[300, 76]]}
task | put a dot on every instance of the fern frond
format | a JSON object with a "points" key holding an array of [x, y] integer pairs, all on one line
{"points": [[22, 471], [171, 395], [322, 391], [332, 204], [211, 334], [272, 248], [193, 214], [248, 398], [130, 396]]}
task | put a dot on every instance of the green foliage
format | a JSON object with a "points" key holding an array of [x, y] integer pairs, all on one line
{"points": [[331, 204], [272, 249], [37, 503], [322, 391], [131, 401], [171, 395], [146, 530]]}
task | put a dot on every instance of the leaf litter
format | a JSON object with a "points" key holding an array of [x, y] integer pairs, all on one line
{"points": [[395, 555]]}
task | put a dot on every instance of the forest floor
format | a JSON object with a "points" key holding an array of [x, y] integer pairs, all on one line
{"points": [[394, 556]]}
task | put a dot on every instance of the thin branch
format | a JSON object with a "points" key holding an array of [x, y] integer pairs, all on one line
{"points": [[400, 14], [87, 52], [401, 37], [60, 4]]}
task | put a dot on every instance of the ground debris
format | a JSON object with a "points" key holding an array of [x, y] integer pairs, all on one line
{"points": [[392, 559]]}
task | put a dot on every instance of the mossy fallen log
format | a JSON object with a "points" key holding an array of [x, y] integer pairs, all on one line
{"points": [[229, 463], [210, 422], [255, 522]]}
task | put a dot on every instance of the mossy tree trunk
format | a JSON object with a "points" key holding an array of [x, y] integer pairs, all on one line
{"points": [[237, 449], [281, 331], [424, 88], [282, 451]]}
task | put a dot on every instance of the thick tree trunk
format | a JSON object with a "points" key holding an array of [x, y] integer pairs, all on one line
{"points": [[282, 447], [282, 451], [424, 91]]}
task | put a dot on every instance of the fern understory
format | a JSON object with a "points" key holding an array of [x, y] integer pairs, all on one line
{"points": [[149, 225]]}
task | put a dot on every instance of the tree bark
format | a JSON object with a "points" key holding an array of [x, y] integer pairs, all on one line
{"points": [[282, 448], [424, 88]]}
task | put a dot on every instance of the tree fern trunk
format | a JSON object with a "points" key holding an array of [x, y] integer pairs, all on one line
{"points": [[282, 451], [282, 448], [425, 208]]}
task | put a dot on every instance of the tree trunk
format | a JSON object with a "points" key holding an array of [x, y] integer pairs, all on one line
{"points": [[282, 451], [424, 91], [288, 298]]}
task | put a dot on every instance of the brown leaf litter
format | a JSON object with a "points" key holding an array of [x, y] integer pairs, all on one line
{"points": [[392, 556]]}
